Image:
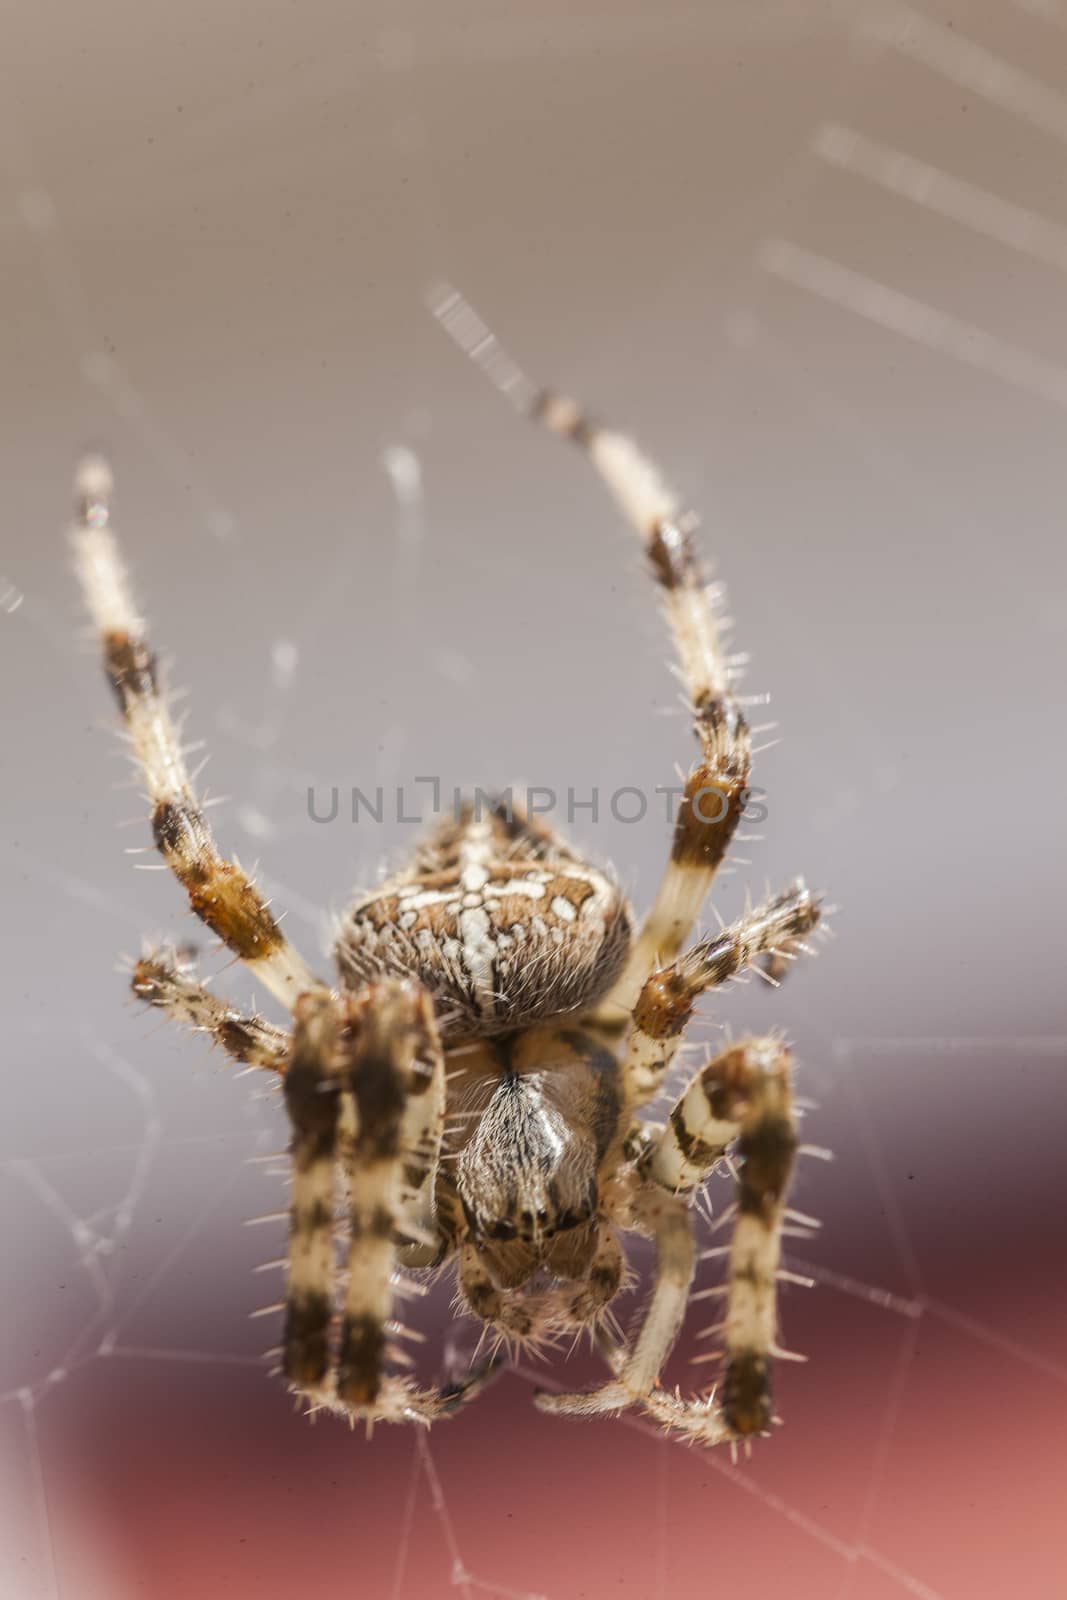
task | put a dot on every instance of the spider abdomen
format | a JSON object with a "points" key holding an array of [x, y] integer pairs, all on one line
{"points": [[498, 920]]}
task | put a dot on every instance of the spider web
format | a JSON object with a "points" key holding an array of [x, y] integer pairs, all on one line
{"points": [[89, 1204]]}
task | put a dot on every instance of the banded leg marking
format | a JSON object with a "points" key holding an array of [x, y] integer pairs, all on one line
{"points": [[313, 1101], [760, 1080], [389, 1024], [700, 1129], [219, 892], [716, 786], [665, 1003], [163, 979], [715, 790], [365, 1092]]}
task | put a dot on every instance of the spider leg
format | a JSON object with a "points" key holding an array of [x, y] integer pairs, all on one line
{"points": [[394, 1063], [747, 1091], [161, 978], [637, 1371], [422, 1126], [703, 1123], [427, 1405], [715, 790], [665, 1003], [313, 1087], [219, 891], [744, 1093], [365, 1093]]}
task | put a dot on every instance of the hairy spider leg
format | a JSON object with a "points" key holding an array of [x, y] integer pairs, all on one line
{"points": [[665, 1004], [220, 893], [715, 791], [162, 978]]}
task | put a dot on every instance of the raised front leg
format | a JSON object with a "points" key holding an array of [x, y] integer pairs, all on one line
{"points": [[715, 790]]}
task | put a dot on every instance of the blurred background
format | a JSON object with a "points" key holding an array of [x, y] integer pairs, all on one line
{"points": [[815, 256]]}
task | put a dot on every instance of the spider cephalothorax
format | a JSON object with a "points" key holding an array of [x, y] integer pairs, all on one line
{"points": [[469, 1093]]}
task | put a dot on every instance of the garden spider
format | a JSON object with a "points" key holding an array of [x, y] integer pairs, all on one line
{"points": [[468, 1092]]}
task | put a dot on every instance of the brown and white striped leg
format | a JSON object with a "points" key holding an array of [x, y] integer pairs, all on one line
{"points": [[716, 786], [219, 891], [665, 1003], [759, 1079], [702, 1125], [313, 1099], [365, 1094], [390, 1028], [165, 980], [715, 790], [637, 1372]]}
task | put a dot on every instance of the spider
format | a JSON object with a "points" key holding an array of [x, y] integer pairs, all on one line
{"points": [[468, 1091]]}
